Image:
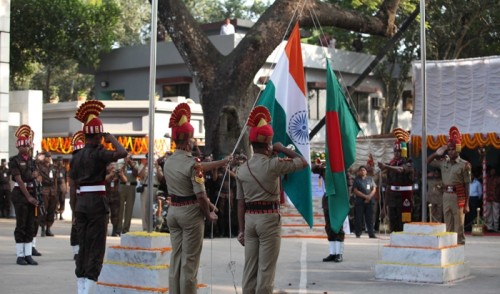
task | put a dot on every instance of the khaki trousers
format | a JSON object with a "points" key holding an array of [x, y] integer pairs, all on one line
{"points": [[186, 224], [262, 247], [127, 199], [453, 216]]}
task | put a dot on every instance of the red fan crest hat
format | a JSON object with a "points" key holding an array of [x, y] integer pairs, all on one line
{"points": [[455, 139], [78, 140], [179, 122], [402, 139], [88, 114], [260, 129], [24, 136]]}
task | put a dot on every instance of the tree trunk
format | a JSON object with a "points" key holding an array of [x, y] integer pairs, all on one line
{"points": [[225, 83]]}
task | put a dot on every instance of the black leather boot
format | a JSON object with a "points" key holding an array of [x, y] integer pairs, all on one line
{"points": [[35, 252], [48, 232], [43, 231], [330, 257], [338, 258], [21, 261], [30, 260], [114, 233]]}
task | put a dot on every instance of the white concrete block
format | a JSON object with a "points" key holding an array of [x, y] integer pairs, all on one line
{"points": [[145, 240], [146, 257], [423, 256], [134, 274], [421, 274], [424, 228], [439, 240]]}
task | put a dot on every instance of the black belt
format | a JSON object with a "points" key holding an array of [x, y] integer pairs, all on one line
{"points": [[262, 205], [182, 200], [154, 186], [129, 184]]}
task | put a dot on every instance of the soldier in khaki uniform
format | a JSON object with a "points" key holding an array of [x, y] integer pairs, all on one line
{"points": [[456, 176], [189, 204], [49, 182], [128, 168], [435, 195], [258, 196]]}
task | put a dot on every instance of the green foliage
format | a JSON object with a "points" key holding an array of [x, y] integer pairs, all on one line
{"points": [[205, 11], [46, 34]]}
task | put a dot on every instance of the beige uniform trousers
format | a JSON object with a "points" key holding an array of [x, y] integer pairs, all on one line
{"points": [[454, 216], [127, 199], [437, 212], [262, 247], [186, 224]]}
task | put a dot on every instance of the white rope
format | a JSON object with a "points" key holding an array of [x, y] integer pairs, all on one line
{"points": [[232, 264]]}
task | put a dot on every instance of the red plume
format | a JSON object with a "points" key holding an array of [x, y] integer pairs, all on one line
{"points": [[179, 111], [24, 131], [258, 113], [401, 135], [92, 107], [78, 140]]}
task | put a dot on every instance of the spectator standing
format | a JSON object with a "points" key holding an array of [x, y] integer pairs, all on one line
{"points": [[113, 178], [227, 28], [475, 201], [364, 189]]}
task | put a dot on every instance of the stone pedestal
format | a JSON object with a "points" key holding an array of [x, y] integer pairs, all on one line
{"points": [[139, 265], [423, 252]]}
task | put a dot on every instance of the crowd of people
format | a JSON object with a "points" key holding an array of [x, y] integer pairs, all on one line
{"points": [[232, 197]]}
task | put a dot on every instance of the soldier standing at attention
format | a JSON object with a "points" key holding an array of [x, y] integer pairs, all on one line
{"points": [[112, 179], [62, 186], [258, 196], [399, 191], [189, 204], [4, 189], [78, 142], [22, 168], [88, 171], [49, 187], [456, 176]]}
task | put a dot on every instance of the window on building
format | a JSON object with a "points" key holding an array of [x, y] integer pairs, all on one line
{"points": [[317, 100], [175, 86], [360, 103]]}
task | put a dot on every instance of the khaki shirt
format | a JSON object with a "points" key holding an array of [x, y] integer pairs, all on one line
{"points": [[180, 174], [435, 191], [144, 179], [267, 171], [452, 174]]}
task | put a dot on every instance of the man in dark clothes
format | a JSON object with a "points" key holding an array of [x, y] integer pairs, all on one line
{"points": [[22, 168], [4, 189], [88, 172], [49, 187], [399, 192], [62, 186], [78, 142], [335, 240]]}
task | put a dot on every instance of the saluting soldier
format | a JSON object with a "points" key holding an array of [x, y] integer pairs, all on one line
{"points": [[189, 204], [4, 189], [23, 170], [456, 176], [88, 171], [399, 189], [258, 195]]}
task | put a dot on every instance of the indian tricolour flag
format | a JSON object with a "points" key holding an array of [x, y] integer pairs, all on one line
{"points": [[285, 97]]}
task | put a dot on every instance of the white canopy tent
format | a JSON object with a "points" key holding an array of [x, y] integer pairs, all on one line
{"points": [[463, 92]]}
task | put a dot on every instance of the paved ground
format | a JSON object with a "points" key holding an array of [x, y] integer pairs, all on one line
{"points": [[300, 269]]}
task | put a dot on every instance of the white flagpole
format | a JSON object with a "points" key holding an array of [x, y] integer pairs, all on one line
{"points": [[423, 76], [152, 86]]}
